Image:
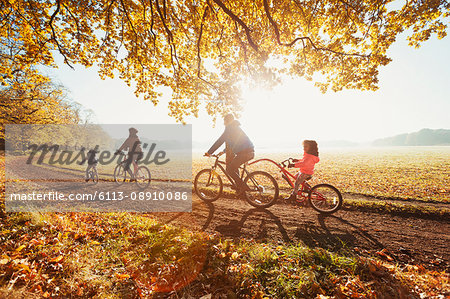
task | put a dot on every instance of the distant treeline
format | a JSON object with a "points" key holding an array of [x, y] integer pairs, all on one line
{"points": [[163, 144], [421, 138], [67, 136]]}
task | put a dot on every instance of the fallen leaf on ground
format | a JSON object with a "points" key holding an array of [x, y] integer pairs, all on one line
{"points": [[20, 248], [122, 276], [56, 259], [382, 253], [4, 261], [25, 267]]}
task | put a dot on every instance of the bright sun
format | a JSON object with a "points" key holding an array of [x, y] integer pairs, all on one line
{"points": [[275, 116]]}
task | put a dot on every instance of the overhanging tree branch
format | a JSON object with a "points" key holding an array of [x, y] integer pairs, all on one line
{"points": [[240, 22], [134, 32], [199, 57], [277, 36], [54, 38]]}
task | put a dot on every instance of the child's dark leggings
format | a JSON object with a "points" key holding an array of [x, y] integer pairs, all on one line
{"points": [[301, 177]]}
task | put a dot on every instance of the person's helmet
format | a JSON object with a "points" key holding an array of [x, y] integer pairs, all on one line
{"points": [[132, 131]]}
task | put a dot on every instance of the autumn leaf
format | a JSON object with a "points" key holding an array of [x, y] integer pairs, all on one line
{"points": [[20, 248], [122, 276], [25, 267], [235, 256], [36, 242], [56, 259], [383, 254]]}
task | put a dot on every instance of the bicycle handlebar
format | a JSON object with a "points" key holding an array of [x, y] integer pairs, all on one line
{"points": [[215, 155], [287, 162]]}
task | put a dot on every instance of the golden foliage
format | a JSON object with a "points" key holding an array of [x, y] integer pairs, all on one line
{"points": [[203, 49], [27, 101]]}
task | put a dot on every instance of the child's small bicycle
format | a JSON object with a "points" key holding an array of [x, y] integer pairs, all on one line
{"points": [[92, 174], [324, 198]]}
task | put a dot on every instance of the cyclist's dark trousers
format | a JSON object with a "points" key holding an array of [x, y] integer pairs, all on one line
{"points": [[238, 160], [133, 157]]}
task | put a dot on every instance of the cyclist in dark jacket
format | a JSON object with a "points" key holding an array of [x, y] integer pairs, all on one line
{"points": [[238, 146]]}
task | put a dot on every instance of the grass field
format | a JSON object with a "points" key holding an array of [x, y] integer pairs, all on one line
{"points": [[420, 173]]}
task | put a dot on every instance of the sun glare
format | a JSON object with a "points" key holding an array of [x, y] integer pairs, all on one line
{"points": [[274, 117]]}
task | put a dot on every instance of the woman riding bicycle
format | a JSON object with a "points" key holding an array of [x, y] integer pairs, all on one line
{"points": [[239, 149], [133, 146]]}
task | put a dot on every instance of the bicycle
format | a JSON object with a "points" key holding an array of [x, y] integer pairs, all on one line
{"points": [[263, 187], [142, 176], [324, 198], [92, 174]]}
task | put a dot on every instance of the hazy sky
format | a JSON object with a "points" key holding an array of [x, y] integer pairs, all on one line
{"points": [[414, 93], [155, 132]]}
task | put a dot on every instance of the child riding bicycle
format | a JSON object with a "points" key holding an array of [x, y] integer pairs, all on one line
{"points": [[92, 162], [306, 165]]}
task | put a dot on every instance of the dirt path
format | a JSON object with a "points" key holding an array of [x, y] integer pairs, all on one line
{"points": [[406, 239]]}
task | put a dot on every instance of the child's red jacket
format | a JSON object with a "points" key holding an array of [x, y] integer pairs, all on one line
{"points": [[306, 164]]}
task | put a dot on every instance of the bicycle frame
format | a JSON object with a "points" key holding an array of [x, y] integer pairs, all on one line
{"points": [[125, 161], [219, 163], [318, 199], [288, 176]]}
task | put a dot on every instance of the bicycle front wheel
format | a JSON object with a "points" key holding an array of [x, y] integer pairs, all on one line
{"points": [[208, 185], [325, 198], [143, 177], [120, 174], [263, 189], [94, 176]]}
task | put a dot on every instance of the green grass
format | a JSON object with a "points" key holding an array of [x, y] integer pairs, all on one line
{"points": [[397, 208]]}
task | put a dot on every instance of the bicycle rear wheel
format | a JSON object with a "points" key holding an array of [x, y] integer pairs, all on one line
{"points": [[120, 174], [208, 185], [325, 198], [263, 189], [143, 177]]}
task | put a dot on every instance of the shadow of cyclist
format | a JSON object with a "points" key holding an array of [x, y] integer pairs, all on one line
{"points": [[263, 225], [363, 233], [326, 235], [259, 232]]}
